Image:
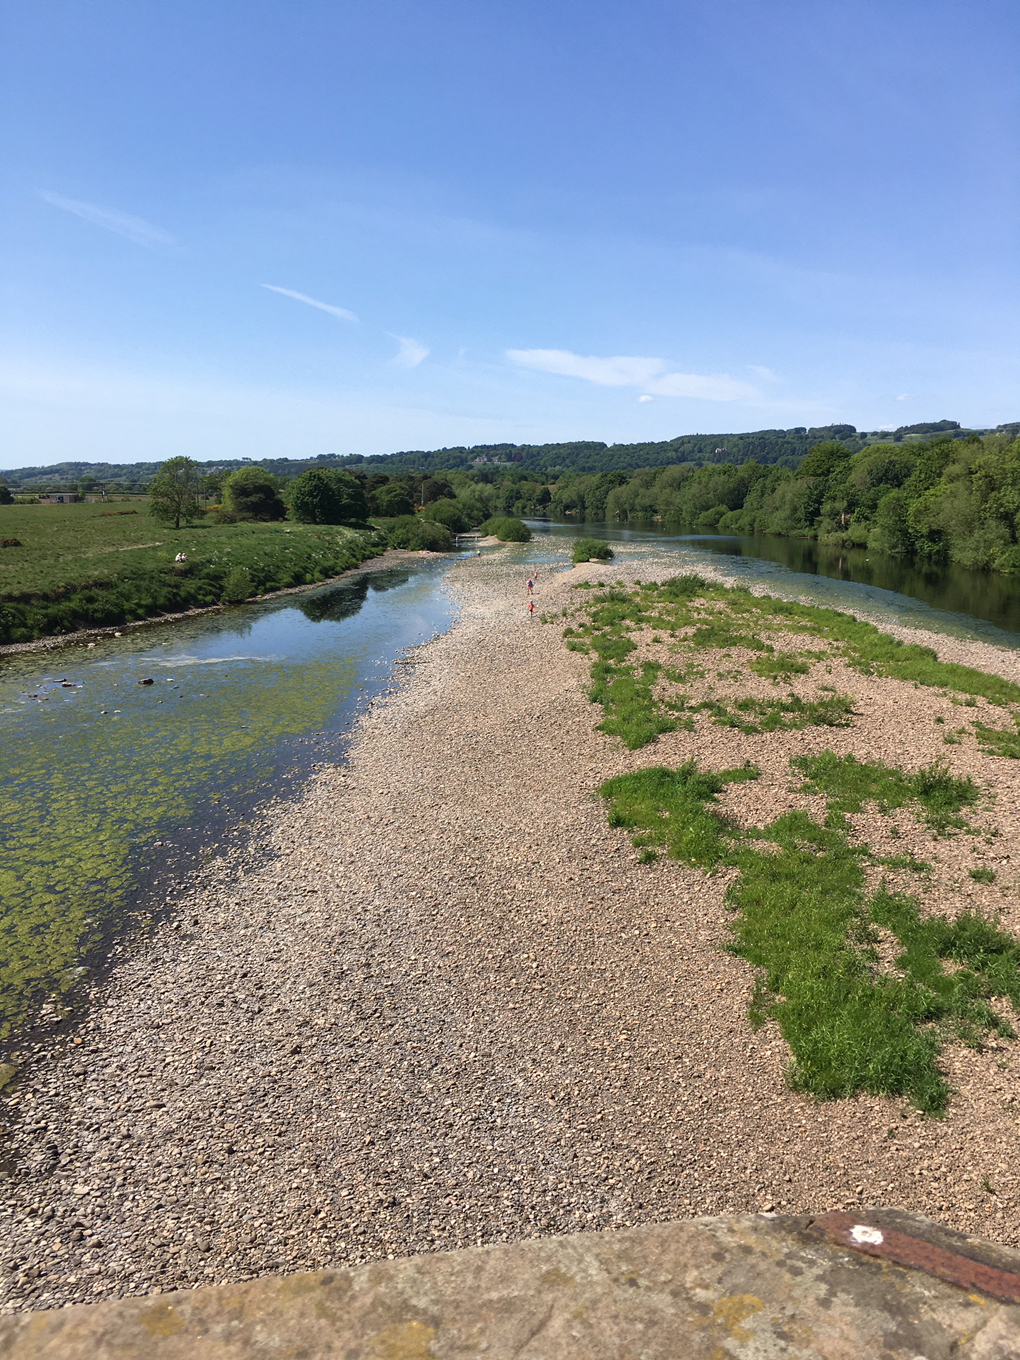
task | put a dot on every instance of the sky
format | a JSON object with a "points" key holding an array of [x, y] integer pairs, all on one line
{"points": [[284, 229]]}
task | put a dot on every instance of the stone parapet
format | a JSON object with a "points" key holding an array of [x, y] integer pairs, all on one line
{"points": [[879, 1285]]}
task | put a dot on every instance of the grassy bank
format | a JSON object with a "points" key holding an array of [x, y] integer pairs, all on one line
{"points": [[866, 983], [81, 566]]}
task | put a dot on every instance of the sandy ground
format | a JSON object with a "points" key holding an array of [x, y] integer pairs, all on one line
{"points": [[438, 1002]]}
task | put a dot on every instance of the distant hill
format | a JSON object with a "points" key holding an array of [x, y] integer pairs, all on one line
{"points": [[784, 447]]}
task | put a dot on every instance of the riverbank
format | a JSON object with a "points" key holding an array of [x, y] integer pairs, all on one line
{"points": [[390, 557], [65, 568], [439, 1001]]}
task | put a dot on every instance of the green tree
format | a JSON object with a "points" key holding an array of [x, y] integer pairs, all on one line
{"points": [[823, 459], [328, 496], [434, 489], [173, 492], [891, 533], [254, 493], [390, 500], [5, 496], [212, 484]]}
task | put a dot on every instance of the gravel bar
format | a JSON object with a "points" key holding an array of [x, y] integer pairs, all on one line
{"points": [[437, 1002]]}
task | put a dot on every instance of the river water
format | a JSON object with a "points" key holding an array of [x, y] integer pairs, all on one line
{"points": [[110, 788]]}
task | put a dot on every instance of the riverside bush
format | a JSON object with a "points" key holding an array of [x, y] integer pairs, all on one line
{"points": [[419, 535], [238, 586], [591, 550], [507, 529], [449, 513]]}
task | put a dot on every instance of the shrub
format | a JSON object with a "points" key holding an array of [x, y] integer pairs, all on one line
{"points": [[419, 535], [449, 513], [238, 586], [6, 497], [592, 550], [507, 530], [328, 496]]}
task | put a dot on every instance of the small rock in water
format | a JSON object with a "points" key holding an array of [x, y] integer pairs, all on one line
{"points": [[147, 681]]}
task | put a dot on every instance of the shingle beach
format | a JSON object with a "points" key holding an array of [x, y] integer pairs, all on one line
{"points": [[437, 1001]]}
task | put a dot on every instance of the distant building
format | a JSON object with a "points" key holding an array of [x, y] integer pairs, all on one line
{"points": [[61, 498]]}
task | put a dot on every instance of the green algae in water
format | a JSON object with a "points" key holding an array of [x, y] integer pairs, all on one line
{"points": [[83, 794], [78, 801]]}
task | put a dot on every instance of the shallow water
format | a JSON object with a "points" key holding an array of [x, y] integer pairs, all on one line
{"points": [[109, 785], [950, 600]]}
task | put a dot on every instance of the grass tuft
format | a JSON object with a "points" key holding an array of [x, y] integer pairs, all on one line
{"points": [[806, 924], [849, 783]]}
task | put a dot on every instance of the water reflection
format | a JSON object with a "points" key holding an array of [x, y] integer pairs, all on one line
{"points": [[343, 601], [984, 594]]}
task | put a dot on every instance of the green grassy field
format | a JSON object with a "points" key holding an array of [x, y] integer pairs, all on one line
{"points": [[88, 565]]}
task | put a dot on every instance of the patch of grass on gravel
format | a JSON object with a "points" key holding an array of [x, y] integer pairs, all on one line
{"points": [[695, 616], [781, 665], [672, 808], [625, 692], [850, 783], [805, 922], [999, 741], [783, 715]]}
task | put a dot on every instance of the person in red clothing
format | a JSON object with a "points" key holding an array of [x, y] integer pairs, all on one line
{"points": [[531, 609]]}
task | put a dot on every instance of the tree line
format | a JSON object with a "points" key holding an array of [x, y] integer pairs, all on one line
{"points": [[930, 491], [785, 448], [941, 499]]}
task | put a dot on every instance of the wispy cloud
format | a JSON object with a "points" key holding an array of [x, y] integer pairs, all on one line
{"points": [[625, 370], [341, 312], [645, 397], [134, 228], [411, 352]]}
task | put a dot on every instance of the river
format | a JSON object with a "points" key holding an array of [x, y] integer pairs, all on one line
{"points": [[112, 789]]}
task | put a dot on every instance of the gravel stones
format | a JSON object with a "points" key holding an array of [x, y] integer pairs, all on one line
{"points": [[437, 1001]]}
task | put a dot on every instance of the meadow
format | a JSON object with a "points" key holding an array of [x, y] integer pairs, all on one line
{"points": [[99, 565]]}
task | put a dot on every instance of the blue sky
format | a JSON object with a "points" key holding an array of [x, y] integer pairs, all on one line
{"points": [[250, 229]]}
